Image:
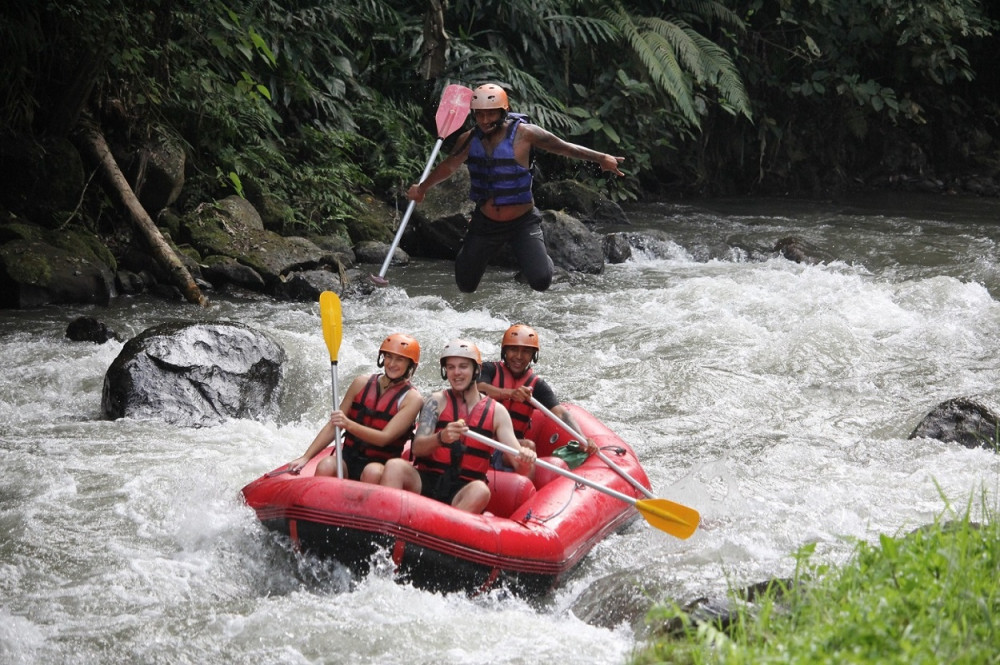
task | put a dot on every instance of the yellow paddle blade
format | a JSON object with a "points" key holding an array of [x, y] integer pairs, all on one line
{"points": [[677, 520], [329, 311]]}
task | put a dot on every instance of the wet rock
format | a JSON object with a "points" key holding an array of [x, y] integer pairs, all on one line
{"points": [[225, 270], [195, 374], [972, 421], [89, 329], [617, 248], [611, 601], [306, 285], [129, 283], [794, 249], [371, 251], [571, 244]]}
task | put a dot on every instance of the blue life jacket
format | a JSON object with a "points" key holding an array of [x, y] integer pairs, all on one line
{"points": [[498, 176]]}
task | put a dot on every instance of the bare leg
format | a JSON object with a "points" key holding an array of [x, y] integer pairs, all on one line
{"points": [[327, 466], [402, 475], [372, 473], [472, 498]]}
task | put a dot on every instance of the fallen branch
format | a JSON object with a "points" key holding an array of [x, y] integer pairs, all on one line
{"points": [[92, 141]]}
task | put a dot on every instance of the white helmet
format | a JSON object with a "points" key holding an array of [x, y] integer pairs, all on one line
{"points": [[460, 348]]}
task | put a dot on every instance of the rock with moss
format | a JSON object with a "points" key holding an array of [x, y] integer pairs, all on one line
{"points": [[375, 220], [156, 172], [233, 228], [34, 273]]}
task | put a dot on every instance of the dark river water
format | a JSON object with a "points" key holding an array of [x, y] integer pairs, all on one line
{"points": [[775, 397]]}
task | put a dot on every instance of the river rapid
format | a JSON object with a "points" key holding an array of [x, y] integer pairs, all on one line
{"points": [[774, 397]]}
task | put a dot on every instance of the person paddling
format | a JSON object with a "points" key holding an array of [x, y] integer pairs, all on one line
{"points": [[450, 466], [498, 153], [513, 383], [376, 415]]}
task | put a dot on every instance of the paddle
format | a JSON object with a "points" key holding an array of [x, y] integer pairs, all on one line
{"points": [[604, 458], [673, 518], [451, 115], [329, 312]]}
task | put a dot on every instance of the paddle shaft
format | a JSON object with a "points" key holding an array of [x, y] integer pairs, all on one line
{"points": [[337, 435], [604, 458], [552, 467], [409, 211]]}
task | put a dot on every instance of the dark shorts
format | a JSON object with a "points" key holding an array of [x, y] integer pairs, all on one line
{"points": [[485, 237], [355, 464], [435, 486]]}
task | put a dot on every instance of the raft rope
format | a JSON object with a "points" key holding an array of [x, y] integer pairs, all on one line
{"points": [[617, 450]]}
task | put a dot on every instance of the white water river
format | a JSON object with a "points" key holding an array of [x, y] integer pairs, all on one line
{"points": [[774, 397]]}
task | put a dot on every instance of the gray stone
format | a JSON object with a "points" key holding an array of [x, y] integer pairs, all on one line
{"points": [[195, 374]]}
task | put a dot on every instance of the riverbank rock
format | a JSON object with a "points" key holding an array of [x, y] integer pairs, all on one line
{"points": [[195, 374], [972, 421], [40, 268], [233, 228], [583, 202]]}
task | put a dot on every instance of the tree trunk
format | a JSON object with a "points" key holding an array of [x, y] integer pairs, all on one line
{"points": [[93, 142]]}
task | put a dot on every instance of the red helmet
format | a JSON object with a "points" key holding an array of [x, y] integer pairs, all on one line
{"points": [[520, 335], [489, 96], [401, 345]]}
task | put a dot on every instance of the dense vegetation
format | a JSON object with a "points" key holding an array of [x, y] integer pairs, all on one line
{"points": [[927, 597], [318, 104]]}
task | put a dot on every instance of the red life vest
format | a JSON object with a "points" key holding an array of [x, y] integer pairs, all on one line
{"points": [[520, 412], [470, 457], [375, 411]]}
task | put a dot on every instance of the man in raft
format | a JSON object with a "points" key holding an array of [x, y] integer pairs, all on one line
{"points": [[498, 152], [449, 466], [513, 383]]}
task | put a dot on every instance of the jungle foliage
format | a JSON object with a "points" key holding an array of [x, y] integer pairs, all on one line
{"points": [[316, 104]]}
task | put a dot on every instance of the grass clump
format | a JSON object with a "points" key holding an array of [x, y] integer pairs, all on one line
{"points": [[929, 596]]}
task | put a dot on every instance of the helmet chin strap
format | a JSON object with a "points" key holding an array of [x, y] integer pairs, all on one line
{"points": [[494, 126]]}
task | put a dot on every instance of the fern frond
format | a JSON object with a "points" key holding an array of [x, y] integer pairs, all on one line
{"points": [[656, 52]]}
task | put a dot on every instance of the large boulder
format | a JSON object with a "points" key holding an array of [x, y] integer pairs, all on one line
{"points": [[195, 374]]}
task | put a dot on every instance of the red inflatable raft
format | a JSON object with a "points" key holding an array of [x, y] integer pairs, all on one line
{"points": [[530, 537]]}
